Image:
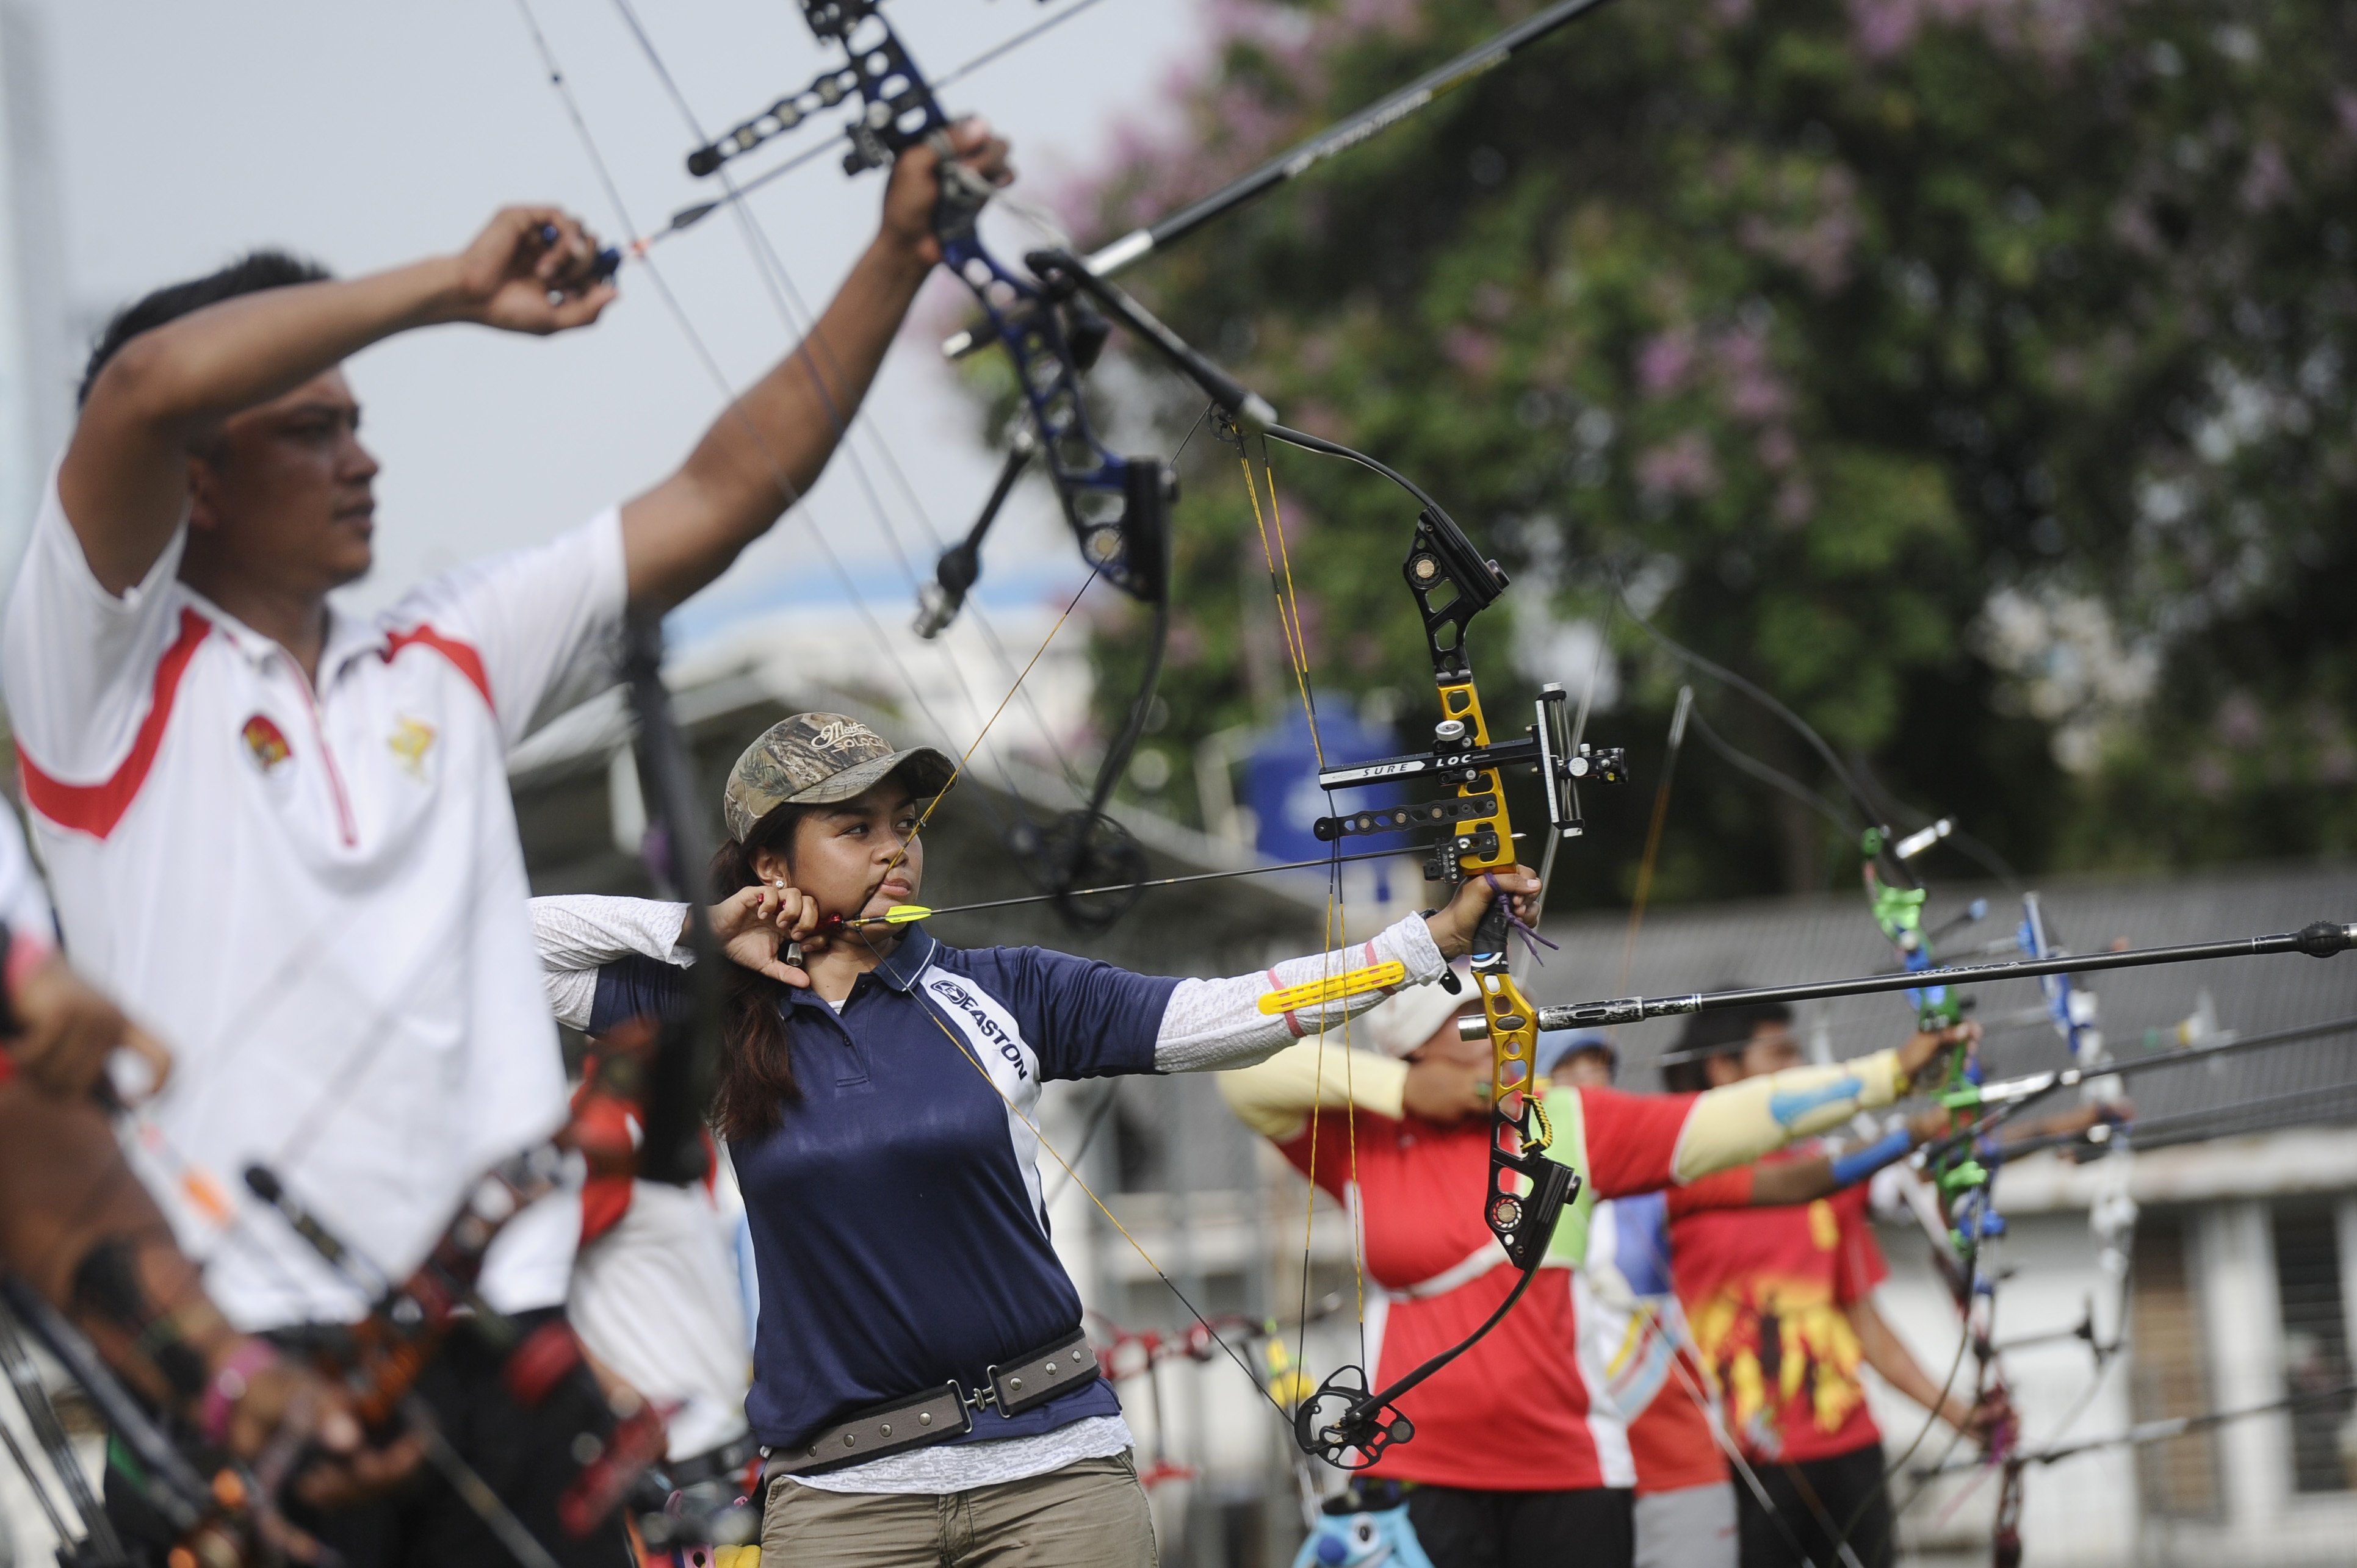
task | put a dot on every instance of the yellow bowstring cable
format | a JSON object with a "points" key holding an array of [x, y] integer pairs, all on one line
{"points": [[955, 773], [1341, 916], [1289, 604], [1279, 562]]}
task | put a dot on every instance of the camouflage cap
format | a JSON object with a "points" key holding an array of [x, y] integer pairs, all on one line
{"points": [[817, 760]]}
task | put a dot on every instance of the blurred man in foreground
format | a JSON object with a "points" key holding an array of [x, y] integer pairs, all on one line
{"points": [[286, 831]]}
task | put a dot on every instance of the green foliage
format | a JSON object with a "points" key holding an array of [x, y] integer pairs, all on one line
{"points": [[1973, 374]]}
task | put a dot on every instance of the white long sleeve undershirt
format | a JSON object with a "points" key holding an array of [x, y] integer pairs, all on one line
{"points": [[1209, 1025]]}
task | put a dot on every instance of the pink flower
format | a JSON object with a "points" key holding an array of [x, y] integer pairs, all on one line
{"points": [[2268, 180], [1796, 501], [1665, 360], [1682, 466], [2238, 721], [1474, 353]]}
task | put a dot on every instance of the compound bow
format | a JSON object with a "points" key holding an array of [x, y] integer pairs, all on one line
{"points": [[1346, 1422], [1052, 326]]}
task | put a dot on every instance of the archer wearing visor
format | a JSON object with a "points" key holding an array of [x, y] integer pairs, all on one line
{"points": [[1407, 1146], [917, 1340]]}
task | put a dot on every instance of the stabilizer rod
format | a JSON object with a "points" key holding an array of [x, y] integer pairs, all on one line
{"points": [[2321, 939]]}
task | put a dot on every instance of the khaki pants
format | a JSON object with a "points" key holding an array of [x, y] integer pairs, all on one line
{"points": [[1090, 1514]]}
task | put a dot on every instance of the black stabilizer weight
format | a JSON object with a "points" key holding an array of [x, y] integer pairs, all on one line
{"points": [[2325, 937]]}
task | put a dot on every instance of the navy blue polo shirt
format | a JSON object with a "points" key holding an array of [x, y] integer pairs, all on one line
{"points": [[899, 1233]]}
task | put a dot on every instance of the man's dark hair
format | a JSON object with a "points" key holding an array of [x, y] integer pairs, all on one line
{"points": [[1686, 1070], [250, 273]]}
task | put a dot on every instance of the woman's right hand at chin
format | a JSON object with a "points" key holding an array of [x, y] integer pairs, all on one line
{"points": [[754, 925]]}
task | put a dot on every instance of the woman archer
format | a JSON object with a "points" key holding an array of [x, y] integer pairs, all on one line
{"points": [[921, 1387]]}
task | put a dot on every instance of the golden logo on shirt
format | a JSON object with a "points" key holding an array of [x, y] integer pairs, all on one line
{"points": [[266, 742], [1780, 1349], [409, 741]]}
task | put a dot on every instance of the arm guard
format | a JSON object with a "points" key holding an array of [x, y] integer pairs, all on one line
{"points": [[1736, 1124]]}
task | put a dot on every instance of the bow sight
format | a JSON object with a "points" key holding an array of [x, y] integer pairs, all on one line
{"points": [[1453, 581]]}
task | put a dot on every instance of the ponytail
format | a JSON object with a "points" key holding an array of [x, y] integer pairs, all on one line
{"points": [[756, 1072]]}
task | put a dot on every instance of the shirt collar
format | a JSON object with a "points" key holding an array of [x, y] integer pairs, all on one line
{"points": [[348, 637], [908, 961]]}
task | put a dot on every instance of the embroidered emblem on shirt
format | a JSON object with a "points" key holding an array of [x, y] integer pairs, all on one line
{"points": [[409, 741], [266, 742]]}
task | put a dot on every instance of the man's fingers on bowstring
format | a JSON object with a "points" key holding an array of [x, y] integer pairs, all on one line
{"points": [[568, 253], [508, 245], [581, 309]]}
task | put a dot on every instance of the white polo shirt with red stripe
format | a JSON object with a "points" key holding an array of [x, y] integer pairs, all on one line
{"points": [[319, 900]]}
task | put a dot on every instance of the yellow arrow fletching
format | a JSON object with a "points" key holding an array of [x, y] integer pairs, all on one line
{"points": [[1316, 992], [902, 914]]}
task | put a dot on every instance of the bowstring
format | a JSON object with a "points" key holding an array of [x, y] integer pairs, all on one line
{"points": [[1278, 560], [790, 493], [687, 217], [770, 265], [794, 312], [1073, 1177], [1654, 837]]}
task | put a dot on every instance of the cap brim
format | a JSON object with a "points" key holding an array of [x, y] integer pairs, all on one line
{"points": [[928, 771]]}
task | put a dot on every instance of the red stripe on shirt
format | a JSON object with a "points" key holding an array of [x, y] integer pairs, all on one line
{"points": [[462, 655], [95, 809]]}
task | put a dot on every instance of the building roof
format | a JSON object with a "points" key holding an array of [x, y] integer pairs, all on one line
{"points": [[1827, 936]]}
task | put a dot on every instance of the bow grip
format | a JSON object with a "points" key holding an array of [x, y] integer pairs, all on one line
{"points": [[964, 193], [1496, 929]]}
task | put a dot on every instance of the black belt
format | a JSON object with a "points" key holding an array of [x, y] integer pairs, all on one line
{"points": [[939, 1413]]}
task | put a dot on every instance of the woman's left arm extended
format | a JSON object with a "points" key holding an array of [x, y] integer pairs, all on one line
{"points": [[1217, 1024]]}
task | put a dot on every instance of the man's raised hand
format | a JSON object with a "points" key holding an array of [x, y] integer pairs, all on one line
{"points": [[515, 277], [913, 194]]}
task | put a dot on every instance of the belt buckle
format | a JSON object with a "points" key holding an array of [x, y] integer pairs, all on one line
{"points": [[983, 1398]]}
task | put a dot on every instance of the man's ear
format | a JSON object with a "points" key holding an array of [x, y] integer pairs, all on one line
{"points": [[1723, 1068], [204, 494]]}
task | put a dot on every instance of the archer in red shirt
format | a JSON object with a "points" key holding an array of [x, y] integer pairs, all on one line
{"points": [[1781, 1307], [1410, 1154]]}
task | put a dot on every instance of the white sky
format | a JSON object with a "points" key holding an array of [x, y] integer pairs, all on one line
{"points": [[368, 134]]}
